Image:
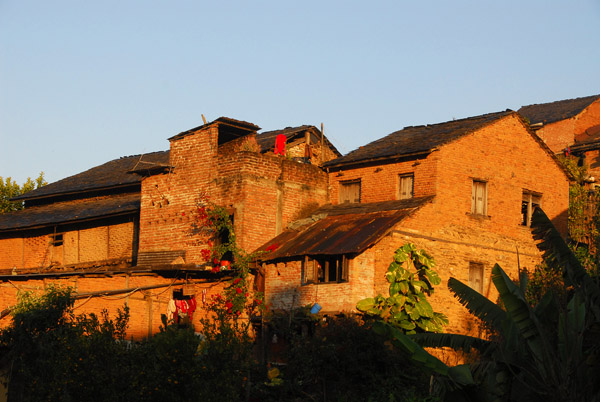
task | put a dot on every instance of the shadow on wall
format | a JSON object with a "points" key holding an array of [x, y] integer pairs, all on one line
{"points": [[560, 222]]}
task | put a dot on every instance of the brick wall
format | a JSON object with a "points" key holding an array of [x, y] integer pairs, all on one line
{"points": [[83, 243], [589, 117], [508, 158], [381, 182], [145, 306], [264, 192], [560, 134]]}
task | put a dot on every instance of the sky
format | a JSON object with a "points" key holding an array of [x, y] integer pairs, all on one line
{"points": [[86, 82]]}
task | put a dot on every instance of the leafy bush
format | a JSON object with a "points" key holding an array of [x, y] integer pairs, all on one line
{"points": [[344, 360]]}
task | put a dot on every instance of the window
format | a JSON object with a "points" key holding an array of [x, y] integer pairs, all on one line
{"points": [[325, 269], [56, 239], [350, 191], [406, 186], [479, 198], [530, 201], [476, 276]]}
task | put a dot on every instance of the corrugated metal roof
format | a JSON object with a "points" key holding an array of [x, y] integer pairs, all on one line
{"points": [[347, 229]]}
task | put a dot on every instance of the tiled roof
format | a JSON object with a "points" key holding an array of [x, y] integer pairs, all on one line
{"points": [[341, 229], [111, 174], [71, 211], [266, 140], [241, 125], [555, 111], [417, 139]]}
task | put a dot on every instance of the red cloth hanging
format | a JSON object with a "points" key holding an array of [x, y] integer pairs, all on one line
{"points": [[280, 144]]}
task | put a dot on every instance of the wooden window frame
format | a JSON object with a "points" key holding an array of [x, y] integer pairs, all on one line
{"points": [[476, 209], [480, 268], [530, 200], [317, 269], [348, 183], [412, 185]]}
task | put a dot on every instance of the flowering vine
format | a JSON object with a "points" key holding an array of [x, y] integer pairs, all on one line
{"points": [[222, 252]]}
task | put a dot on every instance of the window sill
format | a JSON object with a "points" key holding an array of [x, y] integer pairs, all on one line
{"points": [[324, 283], [479, 217]]}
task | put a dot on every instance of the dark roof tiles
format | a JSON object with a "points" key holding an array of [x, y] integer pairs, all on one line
{"points": [[266, 140], [418, 139], [110, 174], [555, 111], [72, 211]]}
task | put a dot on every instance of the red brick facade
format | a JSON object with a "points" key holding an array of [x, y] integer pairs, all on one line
{"points": [[563, 133], [264, 193], [506, 157]]}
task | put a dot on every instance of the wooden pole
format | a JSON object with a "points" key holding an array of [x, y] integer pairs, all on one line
{"points": [[322, 142]]}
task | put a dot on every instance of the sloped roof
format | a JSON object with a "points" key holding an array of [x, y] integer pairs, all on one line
{"points": [[72, 211], [266, 140], [108, 175], [341, 229], [555, 111], [243, 127], [417, 140]]}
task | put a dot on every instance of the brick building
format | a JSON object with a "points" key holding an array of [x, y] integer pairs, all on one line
{"points": [[462, 190], [123, 232], [571, 125]]}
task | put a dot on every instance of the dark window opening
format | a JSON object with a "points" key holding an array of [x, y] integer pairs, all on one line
{"points": [[325, 269], [56, 239], [528, 205], [222, 238]]}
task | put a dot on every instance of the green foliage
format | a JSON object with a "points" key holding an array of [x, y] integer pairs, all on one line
{"points": [[546, 352], [341, 359], [9, 189], [411, 278], [50, 353]]}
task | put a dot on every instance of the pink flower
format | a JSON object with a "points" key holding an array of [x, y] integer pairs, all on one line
{"points": [[238, 291]]}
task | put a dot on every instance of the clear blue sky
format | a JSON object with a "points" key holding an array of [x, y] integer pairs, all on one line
{"points": [[85, 82]]}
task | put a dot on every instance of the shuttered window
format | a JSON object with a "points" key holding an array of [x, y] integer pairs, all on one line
{"points": [[476, 276], [325, 269], [406, 186], [479, 198], [350, 191]]}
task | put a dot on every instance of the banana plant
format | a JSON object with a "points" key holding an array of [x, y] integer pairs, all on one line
{"points": [[545, 352]]}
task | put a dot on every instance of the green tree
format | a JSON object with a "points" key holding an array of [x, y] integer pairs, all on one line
{"points": [[411, 277], [10, 189]]}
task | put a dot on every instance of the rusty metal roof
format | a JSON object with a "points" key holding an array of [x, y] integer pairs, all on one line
{"points": [[346, 229]]}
